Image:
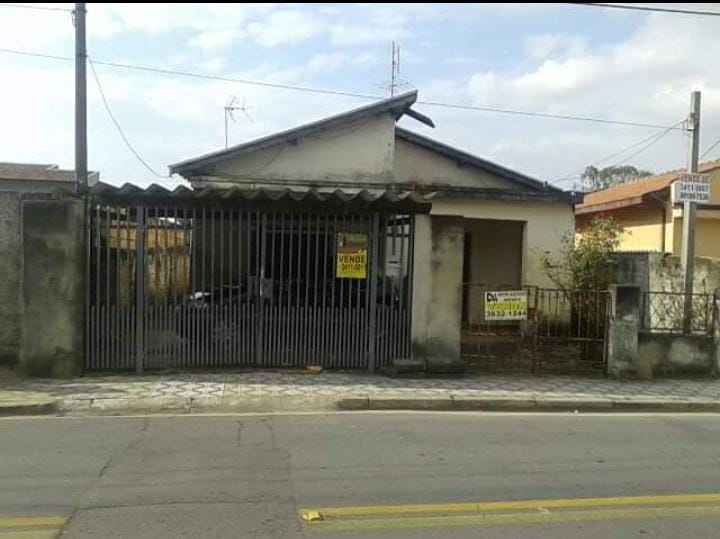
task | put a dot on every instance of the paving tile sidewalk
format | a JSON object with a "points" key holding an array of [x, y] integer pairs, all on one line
{"points": [[273, 391]]}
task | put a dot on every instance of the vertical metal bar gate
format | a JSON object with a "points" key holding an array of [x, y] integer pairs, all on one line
{"points": [[205, 285]]}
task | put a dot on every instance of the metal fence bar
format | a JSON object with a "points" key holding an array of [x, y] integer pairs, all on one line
{"points": [[197, 290], [662, 311]]}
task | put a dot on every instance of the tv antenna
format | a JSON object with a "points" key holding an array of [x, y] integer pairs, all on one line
{"points": [[231, 106], [395, 82]]}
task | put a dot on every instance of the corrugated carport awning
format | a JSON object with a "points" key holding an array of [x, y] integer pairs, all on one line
{"points": [[376, 199]]}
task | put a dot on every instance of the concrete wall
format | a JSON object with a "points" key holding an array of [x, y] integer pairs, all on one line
{"points": [[437, 297], [10, 278], [663, 273], [362, 152], [545, 226], [676, 355], [52, 287], [414, 164]]}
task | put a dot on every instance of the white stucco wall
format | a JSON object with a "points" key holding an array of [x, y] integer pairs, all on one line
{"points": [[359, 152], [414, 164], [545, 225]]}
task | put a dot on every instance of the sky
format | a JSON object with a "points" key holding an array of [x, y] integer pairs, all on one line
{"points": [[553, 58]]}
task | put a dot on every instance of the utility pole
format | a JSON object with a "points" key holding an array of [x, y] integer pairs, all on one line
{"points": [[81, 172], [688, 230]]}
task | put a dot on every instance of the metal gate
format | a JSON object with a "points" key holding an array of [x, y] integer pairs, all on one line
{"points": [[214, 285], [565, 332]]}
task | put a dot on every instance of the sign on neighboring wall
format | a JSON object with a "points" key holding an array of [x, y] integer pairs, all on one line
{"points": [[351, 256], [506, 305], [691, 188]]}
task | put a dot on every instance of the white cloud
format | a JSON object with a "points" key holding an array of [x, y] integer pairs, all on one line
{"points": [[35, 30], [284, 28], [216, 39], [326, 63], [350, 34], [646, 77], [541, 46]]}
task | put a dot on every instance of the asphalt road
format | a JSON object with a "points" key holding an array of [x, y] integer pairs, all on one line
{"points": [[254, 476]]}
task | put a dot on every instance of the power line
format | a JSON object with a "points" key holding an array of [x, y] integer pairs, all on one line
{"points": [[710, 148], [39, 8], [117, 124], [648, 8], [651, 143], [651, 140], [307, 89], [541, 114]]}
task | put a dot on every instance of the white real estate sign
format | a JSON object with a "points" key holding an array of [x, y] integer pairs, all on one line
{"points": [[691, 188], [506, 305]]}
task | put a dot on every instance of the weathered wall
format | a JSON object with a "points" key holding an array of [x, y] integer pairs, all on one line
{"points": [[676, 355], [53, 287], [634, 269], [545, 225], [437, 297], [10, 278], [362, 152], [663, 273], [414, 164], [623, 333]]}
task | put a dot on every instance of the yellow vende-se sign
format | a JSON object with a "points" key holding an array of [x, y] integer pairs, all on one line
{"points": [[351, 256], [506, 305]]}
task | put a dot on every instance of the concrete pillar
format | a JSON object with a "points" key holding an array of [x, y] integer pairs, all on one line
{"points": [[437, 286], [623, 333], [53, 291]]}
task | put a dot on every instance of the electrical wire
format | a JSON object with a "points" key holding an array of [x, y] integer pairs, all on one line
{"points": [[648, 8], [651, 140], [344, 94], [119, 128], [710, 148], [38, 8]]}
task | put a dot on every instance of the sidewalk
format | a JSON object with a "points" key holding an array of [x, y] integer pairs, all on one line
{"points": [[266, 391]]}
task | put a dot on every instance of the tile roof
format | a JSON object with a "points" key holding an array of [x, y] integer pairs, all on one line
{"points": [[39, 172], [639, 187]]}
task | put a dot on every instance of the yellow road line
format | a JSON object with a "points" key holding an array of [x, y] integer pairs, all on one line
{"points": [[557, 517], [31, 534], [475, 507], [27, 522]]}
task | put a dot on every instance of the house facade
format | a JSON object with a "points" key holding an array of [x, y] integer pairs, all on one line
{"points": [[649, 219], [480, 223]]}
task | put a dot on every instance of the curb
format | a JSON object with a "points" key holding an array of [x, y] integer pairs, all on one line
{"points": [[526, 405], [48, 407]]}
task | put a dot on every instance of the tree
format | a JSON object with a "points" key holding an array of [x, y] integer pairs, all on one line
{"points": [[588, 263], [613, 175]]}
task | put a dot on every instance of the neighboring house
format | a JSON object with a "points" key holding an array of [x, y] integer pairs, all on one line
{"points": [[18, 182], [486, 224], [35, 178], [649, 219]]}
